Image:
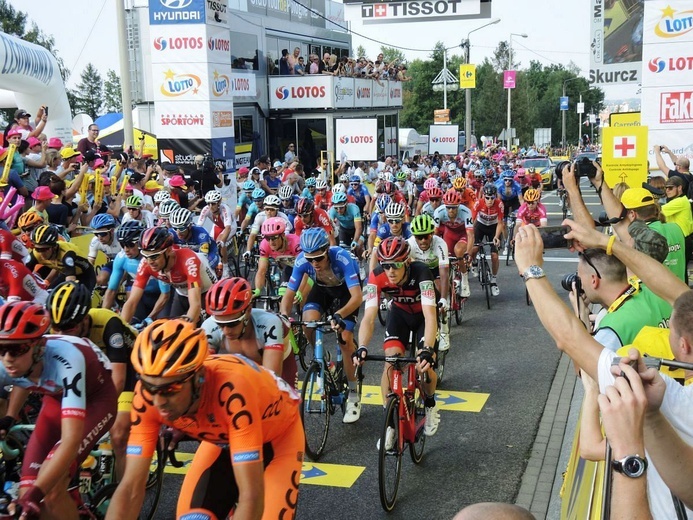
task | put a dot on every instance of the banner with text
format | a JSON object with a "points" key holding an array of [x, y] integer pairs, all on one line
{"points": [[443, 139], [356, 139], [468, 76], [624, 155], [509, 78]]}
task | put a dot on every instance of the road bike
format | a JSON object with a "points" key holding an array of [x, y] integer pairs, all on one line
{"points": [[564, 202], [457, 301], [509, 246], [485, 270], [405, 417], [325, 388]]}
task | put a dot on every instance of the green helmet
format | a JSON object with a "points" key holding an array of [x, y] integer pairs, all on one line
{"points": [[133, 201], [422, 225], [401, 175]]}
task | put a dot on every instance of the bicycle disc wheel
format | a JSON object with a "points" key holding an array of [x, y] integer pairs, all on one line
{"points": [[416, 448], [315, 411], [390, 461]]}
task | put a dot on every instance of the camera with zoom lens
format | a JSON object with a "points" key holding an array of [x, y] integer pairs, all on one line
{"points": [[569, 279], [585, 168], [208, 163]]}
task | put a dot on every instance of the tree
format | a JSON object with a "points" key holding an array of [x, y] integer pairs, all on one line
{"points": [[112, 95], [390, 55], [89, 92], [360, 52]]}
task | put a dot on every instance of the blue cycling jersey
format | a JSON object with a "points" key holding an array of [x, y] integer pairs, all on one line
{"points": [[253, 210], [306, 194], [244, 200], [346, 220], [344, 270], [199, 241], [123, 265], [516, 190], [359, 195], [384, 231], [375, 219]]}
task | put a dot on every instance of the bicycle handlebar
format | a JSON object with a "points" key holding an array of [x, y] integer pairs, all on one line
{"points": [[7, 451]]}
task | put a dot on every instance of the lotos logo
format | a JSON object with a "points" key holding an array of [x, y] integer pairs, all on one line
{"points": [[176, 85], [356, 139], [344, 139], [219, 44], [676, 107], [221, 84], [176, 4], [177, 43], [282, 93], [443, 139], [673, 24], [363, 93], [299, 92], [657, 65]]}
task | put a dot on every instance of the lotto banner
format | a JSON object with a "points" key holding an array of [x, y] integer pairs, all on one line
{"points": [[356, 139], [624, 154], [443, 139]]}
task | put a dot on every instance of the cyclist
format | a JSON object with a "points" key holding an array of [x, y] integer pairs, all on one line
{"points": [[393, 226], [271, 209], [244, 200], [11, 248], [79, 404], [531, 210], [347, 217], [249, 461], [277, 244], [104, 240], [133, 205], [459, 184], [186, 271], [256, 207], [489, 224], [125, 265], [435, 199], [425, 246], [323, 197], [378, 217], [405, 186], [224, 226], [159, 197], [61, 257], [311, 217], [456, 226], [412, 289], [196, 238], [534, 179], [335, 274], [69, 307], [17, 283], [360, 193], [509, 192], [309, 190], [289, 201], [166, 209], [424, 197], [234, 327]]}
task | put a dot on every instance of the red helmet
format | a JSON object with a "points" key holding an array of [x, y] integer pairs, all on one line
{"points": [[155, 239], [443, 175], [452, 198], [393, 249], [304, 205], [228, 296], [389, 187], [435, 193], [23, 321]]}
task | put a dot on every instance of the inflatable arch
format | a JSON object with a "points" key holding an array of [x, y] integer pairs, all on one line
{"points": [[30, 77]]}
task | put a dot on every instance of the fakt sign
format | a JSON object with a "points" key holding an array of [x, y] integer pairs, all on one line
{"points": [[676, 107]]}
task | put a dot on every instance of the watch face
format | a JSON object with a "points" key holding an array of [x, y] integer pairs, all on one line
{"points": [[633, 467]]}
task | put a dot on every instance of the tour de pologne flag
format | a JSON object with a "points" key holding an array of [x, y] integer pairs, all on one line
{"points": [[468, 76], [624, 154]]}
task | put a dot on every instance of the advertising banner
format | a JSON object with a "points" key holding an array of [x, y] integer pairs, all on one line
{"points": [[225, 148], [395, 98], [243, 85], [288, 92], [169, 12], [443, 139], [624, 154], [182, 151], [217, 13], [191, 82], [563, 102], [468, 76], [343, 92], [218, 44], [413, 10], [363, 97], [390, 140], [380, 93], [356, 139], [178, 44], [183, 120], [508, 79]]}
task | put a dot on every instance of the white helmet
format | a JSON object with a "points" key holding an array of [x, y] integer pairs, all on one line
{"points": [[286, 192], [182, 217], [161, 196], [167, 207], [344, 178], [394, 210], [339, 188], [321, 184], [452, 167], [212, 197], [272, 201]]}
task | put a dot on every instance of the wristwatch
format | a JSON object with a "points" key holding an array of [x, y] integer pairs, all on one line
{"points": [[533, 271], [632, 466]]}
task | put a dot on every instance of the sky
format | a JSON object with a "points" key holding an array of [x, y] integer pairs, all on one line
{"points": [[557, 32]]}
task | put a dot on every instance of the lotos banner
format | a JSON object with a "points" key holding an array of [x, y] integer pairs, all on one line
{"points": [[356, 139], [443, 139]]}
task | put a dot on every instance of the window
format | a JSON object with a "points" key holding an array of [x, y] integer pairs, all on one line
{"points": [[243, 129], [244, 51]]}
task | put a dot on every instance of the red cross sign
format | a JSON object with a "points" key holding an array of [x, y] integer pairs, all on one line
{"points": [[624, 146]]}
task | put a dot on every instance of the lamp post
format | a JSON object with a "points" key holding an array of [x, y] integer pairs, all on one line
{"points": [[445, 79], [564, 112], [468, 92], [510, 65]]}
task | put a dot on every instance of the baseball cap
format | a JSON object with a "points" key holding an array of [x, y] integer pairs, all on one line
{"points": [[277, 164], [177, 180], [14, 131], [634, 198], [152, 186], [42, 193], [136, 177], [33, 142], [648, 241], [20, 112], [169, 167], [90, 155], [243, 170], [68, 153]]}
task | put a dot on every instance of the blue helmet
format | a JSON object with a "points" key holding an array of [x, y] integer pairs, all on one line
{"points": [[258, 194], [248, 186], [339, 198], [103, 220], [382, 203], [355, 178], [507, 174], [314, 239], [311, 181]]}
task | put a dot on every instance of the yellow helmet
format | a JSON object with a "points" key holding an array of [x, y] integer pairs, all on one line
{"points": [[532, 195], [459, 183]]}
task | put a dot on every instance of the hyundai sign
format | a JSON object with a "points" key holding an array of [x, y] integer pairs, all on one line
{"points": [[443, 139], [168, 12], [356, 139]]}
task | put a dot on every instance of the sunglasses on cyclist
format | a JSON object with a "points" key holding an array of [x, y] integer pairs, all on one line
{"points": [[154, 257], [451, 207], [490, 198], [230, 323], [180, 228], [394, 220], [213, 204], [167, 389], [273, 237], [317, 259], [39, 249], [423, 237], [304, 215], [434, 200], [101, 233], [15, 350], [129, 244], [392, 265]]}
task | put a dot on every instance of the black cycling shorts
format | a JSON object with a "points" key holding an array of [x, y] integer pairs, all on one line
{"points": [[400, 324], [482, 231]]}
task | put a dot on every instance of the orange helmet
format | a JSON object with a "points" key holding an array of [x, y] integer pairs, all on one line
{"points": [[532, 195], [228, 296], [23, 321], [459, 183], [29, 220], [452, 198], [435, 193], [168, 348], [393, 249]]}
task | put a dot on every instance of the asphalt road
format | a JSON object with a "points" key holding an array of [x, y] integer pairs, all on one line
{"points": [[475, 456]]}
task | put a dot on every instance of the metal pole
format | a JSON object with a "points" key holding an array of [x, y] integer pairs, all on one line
{"points": [[510, 65], [580, 121], [468, 109], [563, 122], [128, 136], [445, 79]]}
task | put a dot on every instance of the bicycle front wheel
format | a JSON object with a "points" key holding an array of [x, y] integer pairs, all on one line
{"points": [[440, 365], [155, 481], [390, 460], [315, 411], [485, 273], [416, 448]]}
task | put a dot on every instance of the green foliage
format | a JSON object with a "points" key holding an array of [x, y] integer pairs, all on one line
{"points": [[534, 101], [360, 52], [88, 96], [113, 101], [391, 54]]}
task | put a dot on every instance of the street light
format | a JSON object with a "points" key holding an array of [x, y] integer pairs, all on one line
{"points": [[445, 79], [564, 112], [510, 64], [468, 93]]}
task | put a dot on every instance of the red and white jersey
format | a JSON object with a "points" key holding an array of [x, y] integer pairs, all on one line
{"points": [[320, 219], [17, 283], [223, 218], [11, 247], [189, 270], [489, 216]]}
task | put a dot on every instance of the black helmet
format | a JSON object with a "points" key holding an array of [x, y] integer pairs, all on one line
{"points": [[129, 231], [490, 190], [68, 304], [45, 235], [156, 239]]}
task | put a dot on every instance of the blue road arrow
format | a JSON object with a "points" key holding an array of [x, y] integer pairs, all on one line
{"points": [[312, 472]]}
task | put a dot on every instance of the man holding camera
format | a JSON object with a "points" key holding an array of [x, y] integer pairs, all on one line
{"points": [[681, 165]]}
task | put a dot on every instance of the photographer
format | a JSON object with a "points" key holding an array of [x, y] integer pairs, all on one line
{"points": [[681, 165], [677, 210], [205, 174]]}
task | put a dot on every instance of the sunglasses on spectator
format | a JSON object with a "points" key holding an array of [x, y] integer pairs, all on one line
{"points": [[392, 265], [168, 388], [230, 323], [101, 233], [669, 187], [15, 350], [394, 220], [317, 259]]}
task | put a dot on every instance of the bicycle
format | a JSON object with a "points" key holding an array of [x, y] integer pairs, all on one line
{"points": [[325, 387], [484, 271], [456, 299], [509, 241], [405, 417], [564, 202]]}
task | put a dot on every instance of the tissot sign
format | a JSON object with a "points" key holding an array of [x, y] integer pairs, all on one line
{"points": [[375, 11], [443, 139], [357, 139]]}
